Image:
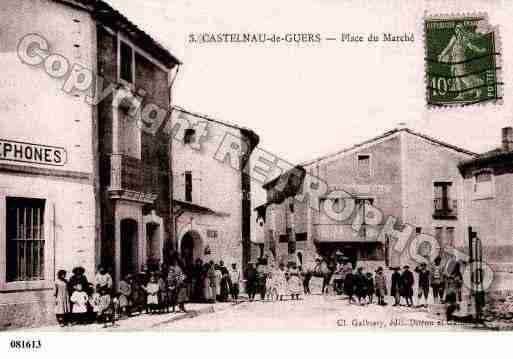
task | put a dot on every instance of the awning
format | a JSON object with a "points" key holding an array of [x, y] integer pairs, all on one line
{"points": [[192, 207]]}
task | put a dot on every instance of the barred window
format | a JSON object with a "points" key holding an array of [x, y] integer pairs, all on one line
{"points": [[25, 239]]}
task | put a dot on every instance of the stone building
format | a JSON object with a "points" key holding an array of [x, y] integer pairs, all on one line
{"points": [[488, 195], [80, 184], [211, 190], [409, 177]]}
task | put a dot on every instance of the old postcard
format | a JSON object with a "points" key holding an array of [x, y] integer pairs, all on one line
{"points": [[274, 165]]}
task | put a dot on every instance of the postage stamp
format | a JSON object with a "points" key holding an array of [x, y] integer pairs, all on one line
{"points": [[462, 60]]}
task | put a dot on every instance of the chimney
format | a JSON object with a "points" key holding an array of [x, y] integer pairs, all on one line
{"points": [[507, 139]]}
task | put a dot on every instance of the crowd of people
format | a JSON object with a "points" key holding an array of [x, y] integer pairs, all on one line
{"points": [[444, 282], [152, 291], [167, 287]]}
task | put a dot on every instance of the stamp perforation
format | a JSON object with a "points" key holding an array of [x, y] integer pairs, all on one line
{"points": [[482, 27]]}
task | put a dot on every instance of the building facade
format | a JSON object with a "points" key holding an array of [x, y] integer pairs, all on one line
{"points": [[409, 177], [211, 191], [80, 184], [488, 195]]}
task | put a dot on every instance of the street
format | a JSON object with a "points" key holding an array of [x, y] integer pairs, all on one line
{"points": [[312, 312]]}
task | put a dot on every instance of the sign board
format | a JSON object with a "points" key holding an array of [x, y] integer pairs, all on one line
{"points": [[32, 153]]}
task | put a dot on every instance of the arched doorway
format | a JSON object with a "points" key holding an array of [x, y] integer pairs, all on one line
{"points": [[191, 247], [129, 247]]}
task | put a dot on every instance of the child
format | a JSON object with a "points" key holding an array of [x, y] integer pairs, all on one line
{"points": [[163, 294], [79, 300], [125, 291], [62, 303], [94, 302], [152, 290], [370, 287], [106, 308], [294, 285]]}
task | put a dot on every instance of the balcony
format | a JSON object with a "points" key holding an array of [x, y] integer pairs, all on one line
{"points": [[445, 208], [337, 233], [132, 180]]}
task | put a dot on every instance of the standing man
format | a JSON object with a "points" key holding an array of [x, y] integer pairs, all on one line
{"points": [[381, 286], [251, 278], [360, 285], [423, 284], [396, 286], [326, 275], [261, 278], [234, 282], [437, 280], [224, 282], [408, 280]]}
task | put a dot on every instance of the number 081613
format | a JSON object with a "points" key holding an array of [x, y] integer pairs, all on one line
{"points": [[25, 344]]}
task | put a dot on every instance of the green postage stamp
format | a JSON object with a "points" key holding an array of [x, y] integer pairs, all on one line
{"points": [[462, 60]]}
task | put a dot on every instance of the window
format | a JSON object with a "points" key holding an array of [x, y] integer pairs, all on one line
{"points": [[445, 207], [189, 136], [418, 230], [360, 201], [449, 237], [188, 186], [126, 62], [483, 187], [284, 238], [25, 239], [364, 165], [301, 237]]}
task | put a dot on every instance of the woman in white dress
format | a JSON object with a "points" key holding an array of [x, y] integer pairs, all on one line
{"points": [[280, 278], [271, 291]]}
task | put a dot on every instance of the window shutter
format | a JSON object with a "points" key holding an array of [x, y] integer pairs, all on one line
{"points": [[179, 186], [196, 187]]}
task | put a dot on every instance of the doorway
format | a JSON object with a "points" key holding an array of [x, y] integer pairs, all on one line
{"points": [[191, 248], [129, 247]]}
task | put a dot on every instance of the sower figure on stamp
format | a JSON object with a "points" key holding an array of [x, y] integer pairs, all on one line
{"points": [[454, 54]]}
